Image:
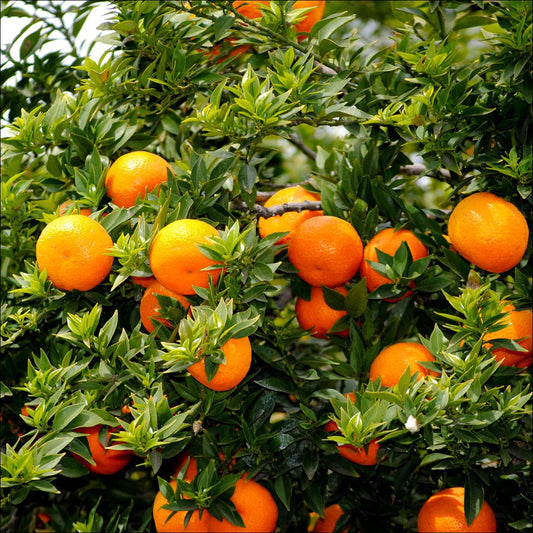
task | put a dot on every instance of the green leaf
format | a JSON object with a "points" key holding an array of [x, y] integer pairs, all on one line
{"points": [[283, 488], [247, 177], [356, 300], [474, 496]]}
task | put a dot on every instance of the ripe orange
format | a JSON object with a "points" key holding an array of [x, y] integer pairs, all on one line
{"points": [[238, 354], [392, 362], [132, 174], [519, 325], [388, 241], [256, 506], [332, 513], [489, 232], [317, 314], [107, 460], [250, 9], [176, 523], [73, 250], [143, 281], [445, 512], [288, 221], [65, 206], [360, 456], [326, 250], [176, 260], [149, 306]]}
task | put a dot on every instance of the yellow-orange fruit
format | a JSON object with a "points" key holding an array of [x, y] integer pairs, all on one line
{"points": [[489, 232], [133, 174], [287, 221], [73, 250]]}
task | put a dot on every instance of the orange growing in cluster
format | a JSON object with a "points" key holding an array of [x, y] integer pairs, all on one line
{"points": [[133, 174], [164, 522], [317, 315], [388, 241], [489, 232], [107, 460], [250, 9], [149, 306], [391, 363], [287, 221], [366, 456], [326, 250], [175, 259], [519, 328], [73, 249], [252, 501], [238, 355], [256, 506], [327, 524], [444, 512]]}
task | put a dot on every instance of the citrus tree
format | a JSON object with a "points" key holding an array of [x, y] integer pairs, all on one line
{"points": [[265, 267]]}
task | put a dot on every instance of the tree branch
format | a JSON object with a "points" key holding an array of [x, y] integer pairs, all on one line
{"points": [[297, 141], [276, 210]]}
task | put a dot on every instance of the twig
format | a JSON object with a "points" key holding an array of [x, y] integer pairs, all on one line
{"points": [[275, 210], [417, 169], [297, 141]]}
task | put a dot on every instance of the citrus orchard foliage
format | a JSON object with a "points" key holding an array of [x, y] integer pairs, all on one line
{"points": [[229, 311]]}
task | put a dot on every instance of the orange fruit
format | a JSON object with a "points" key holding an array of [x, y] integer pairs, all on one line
{"points": [[107, 460], [238, 354], [73, 250], [175, 259], [250, 9], [392, 362], [288, 221], [445, 512], [64, 208], [489, 232], [256, 506], [132, 174], [164, 523], [361, 456], [332, 513], [317, 314], [519, 324], [326, 251], [149, 306], [143, 281], [388, 241]]}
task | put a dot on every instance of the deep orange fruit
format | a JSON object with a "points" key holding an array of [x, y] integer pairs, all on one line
{"points": [[133, 174], [318, 315], [256, 506], [366, 456], [164, 523], [107, 460], [175, 259], [238, 354], [393, 361], [326, 251], [489, 232], [287, 221], [250, 9], [73, 251], [143, 281], [388, 241], [519, 324], [444, 512], [149, 306], [332, 513]]}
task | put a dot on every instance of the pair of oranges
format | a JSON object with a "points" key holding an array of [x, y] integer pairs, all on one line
{"points": [[253, 502]]}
